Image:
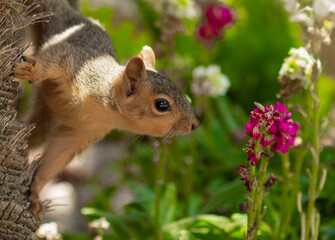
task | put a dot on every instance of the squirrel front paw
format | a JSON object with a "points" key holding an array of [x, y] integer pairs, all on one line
{"points": [[28, 69], [36, 207]]}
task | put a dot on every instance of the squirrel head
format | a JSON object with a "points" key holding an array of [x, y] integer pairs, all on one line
{"points": [[150, 103]]}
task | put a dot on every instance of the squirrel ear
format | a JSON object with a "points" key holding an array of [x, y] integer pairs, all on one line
{"points": [[135, 72], [148, 57]]}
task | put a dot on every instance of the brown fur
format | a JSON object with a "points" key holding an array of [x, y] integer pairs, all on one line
{"points": [[82, 92]]}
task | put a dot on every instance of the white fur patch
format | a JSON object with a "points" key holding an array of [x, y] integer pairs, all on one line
{"points": [[97, 76], [62, 36], [154, 70], [96, 22]]}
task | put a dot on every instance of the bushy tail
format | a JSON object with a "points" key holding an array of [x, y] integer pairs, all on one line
{"points": [[63, 14], [73, 3]]}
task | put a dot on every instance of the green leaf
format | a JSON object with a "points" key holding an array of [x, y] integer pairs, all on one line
{"points": [[327, 98], [195, 201], [101, 200], [186, 235], [126, 39], [201, 223], [117, 223], [168, 204], [229, 191]]}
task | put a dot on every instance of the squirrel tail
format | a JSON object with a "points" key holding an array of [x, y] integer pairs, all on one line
{"points": [[63, 15], [73, 3]]}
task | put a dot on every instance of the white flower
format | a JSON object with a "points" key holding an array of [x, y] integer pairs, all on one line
{"points": [[99, 224], [298, 66], [298, 15], [292, 5], [303, 18], [209, 81], [184, 8], [48, 231], [323, 8], [178, 8]]}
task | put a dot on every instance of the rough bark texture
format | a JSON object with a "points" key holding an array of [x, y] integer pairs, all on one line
{"points": [[16, 222]]}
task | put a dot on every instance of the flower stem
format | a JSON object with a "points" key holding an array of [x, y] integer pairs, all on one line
{"points": [[315, 169], [189, 173], [251, 199], [315, 148], [286, 214], [299, 156], [257, 199], [260, 189], [284, 205], [158, 192]]}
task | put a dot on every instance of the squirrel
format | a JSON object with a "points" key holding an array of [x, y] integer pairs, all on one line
{"points": [[82, 92]]}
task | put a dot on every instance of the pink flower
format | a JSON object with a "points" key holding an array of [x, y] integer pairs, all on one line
{"points": [[244, 172], [252, 157], [216, 17], [271, 126], [271, 181], [205, 32], [279, 130]]}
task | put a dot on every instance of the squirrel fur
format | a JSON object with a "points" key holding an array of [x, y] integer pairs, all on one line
{"points": [[82, 92]]}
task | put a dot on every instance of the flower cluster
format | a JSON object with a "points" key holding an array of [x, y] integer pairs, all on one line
{"points": [[100, 223], [244, 172], [98, 227], [209, 81], [48, 231], [298, 66], [177, 8], [217, 17], [324, 9], [273, 126], [295, 72], [271, 181], [320, 14]]}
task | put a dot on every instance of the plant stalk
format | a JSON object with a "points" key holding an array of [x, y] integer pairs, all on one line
{"points": [[315, 148], [189, 173], [251, 199], [260, 189], [158, 192], [284, 205]]}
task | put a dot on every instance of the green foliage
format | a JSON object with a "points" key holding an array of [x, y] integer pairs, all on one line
{"points": [[135, 223], [124, 36]]}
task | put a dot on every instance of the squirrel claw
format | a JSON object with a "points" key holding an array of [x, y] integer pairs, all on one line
{"points": [[29, 59], [36, 207], [27, 69]]}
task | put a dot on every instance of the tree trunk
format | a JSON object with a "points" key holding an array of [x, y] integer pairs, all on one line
{"points": [[16, 222]]}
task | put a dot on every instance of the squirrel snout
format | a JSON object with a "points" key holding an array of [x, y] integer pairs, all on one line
{"points": [[195, 123]]}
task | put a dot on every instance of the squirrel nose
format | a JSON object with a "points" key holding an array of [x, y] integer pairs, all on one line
{"points": [[195, 123]]}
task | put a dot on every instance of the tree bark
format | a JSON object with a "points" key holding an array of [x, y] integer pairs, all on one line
{"points": [[16, 222]]}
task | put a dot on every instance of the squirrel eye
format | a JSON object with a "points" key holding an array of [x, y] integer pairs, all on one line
{"points": [[162, 105]]}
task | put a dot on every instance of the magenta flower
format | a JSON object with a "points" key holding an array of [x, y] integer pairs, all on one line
{"points": [[274, 127], [205, 32], [252, 157], [271, 181], [216, 17], [244, 172], [279, 130], [269, 126]]}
